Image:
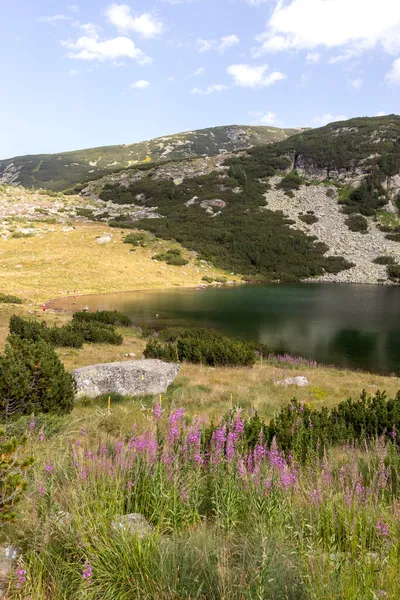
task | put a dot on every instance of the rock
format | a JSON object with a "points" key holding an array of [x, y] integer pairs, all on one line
{"points": [[129, 378], [104, 239], [134, 523], [299, 381], [8, 554]]}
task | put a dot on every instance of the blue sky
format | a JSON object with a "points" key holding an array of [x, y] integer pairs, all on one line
{"points": [[86, 73]]}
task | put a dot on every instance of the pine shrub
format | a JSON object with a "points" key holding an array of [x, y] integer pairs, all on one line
{"points": [[33, 379], [108, 317]]}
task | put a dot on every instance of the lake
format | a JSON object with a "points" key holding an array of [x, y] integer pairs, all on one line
{"points": [[353, 326]]}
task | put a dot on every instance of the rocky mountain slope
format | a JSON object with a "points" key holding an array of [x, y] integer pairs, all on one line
{"points": [[323, 204], [60, 171]]}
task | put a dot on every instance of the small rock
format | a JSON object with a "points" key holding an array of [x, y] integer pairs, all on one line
{"points": [[134, 523], [299, 381], [104, 239]]}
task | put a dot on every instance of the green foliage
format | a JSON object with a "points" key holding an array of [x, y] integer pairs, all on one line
{"points": [[12, 475], [136, 239], [394, 273], [368, 197], [172, 257], [394, 237], [204, 346], [309, 219], [207, 279], [33, 379], [384, 260], [72, 335], [9, 299], [108, 317], [97, 333], [357, 223], [290, 182]]}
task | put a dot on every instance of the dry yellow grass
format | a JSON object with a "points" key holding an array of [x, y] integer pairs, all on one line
{"points": [[63, 263]]}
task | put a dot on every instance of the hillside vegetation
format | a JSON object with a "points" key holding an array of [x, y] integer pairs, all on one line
{"points": [[218, 208], [60, 171]]}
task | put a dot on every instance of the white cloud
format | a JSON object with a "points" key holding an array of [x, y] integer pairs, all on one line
{"points": [[256, 2], [198, 72], [328, 118], [204, 45], [381, 113], [393, 76], [141, 84], [89, 47], [211, 89], [145, 24], [357, 83], [254, 76], [260, 118], [222, 44], [313, 57], [353, 25], [227, 42], [53, 19], [73, 73]]}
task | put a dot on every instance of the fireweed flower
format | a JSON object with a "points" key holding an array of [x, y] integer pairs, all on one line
{"points": [[32, 424], [87, 572], [41, 490], [49, 469], [230, 446], [42, 436], [382, 529], [393, 433], [157, 412], [21, 578]]}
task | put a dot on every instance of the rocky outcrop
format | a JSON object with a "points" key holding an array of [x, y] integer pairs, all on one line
{"points": [[331, 229], [131, 378], [134, 524], [298, 381]]}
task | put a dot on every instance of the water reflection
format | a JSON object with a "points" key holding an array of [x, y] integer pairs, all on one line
{"points": [[354, 326]]}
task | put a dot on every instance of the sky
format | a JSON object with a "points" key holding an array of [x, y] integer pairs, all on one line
{"points": [[85, 73]]}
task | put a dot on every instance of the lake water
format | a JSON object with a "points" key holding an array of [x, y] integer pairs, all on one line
{"points": [[348, 325]]}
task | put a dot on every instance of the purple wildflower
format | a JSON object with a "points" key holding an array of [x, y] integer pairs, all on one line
{"points": [[87, 572], [157, 412], [21, 578], [382, 529], [41, 490], [49, 469]]}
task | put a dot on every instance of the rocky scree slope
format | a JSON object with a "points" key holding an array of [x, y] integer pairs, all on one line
{"points": [[60, 171], [242, 211]]}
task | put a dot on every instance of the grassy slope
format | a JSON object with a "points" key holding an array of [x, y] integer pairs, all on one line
{"points": [[66, 263], [60, 171]]}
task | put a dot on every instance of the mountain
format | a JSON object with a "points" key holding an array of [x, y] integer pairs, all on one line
{"points": [[60, 171], [322, 204]]}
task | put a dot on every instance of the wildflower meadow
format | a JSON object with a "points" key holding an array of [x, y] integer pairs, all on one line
{"points": [[234, 516]]}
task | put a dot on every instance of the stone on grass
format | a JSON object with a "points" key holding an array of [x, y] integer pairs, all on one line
{"points": [[104, 239], [134, 524], [129, 378], [8, 554], [299, 381]]}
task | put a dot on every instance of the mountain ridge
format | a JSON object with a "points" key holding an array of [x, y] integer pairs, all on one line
{"points": [[50, 171]]}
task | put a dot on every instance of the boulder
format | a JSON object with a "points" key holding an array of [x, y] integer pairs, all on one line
{"points": [[299, 381], [130, 378], [104, 239], [134, 524]]}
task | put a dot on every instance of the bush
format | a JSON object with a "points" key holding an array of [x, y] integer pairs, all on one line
{"points": [[33, 379], [136, 239], [200, 346], [207, 279], [72, 335], [290, 182], [12, 479], [384, 260], [393, 272], [97, 333], [394, 237], [108, 317], [8, 299], [172, 257], [357, 223], [309, 219]]}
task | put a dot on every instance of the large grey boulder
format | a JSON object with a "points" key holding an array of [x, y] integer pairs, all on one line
{"points": [[130, 378]]}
